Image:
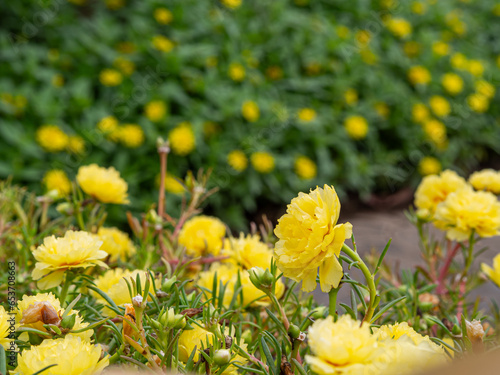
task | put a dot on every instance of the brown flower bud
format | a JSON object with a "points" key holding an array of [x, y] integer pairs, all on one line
{"points": [[475, 332], [40, 312]]}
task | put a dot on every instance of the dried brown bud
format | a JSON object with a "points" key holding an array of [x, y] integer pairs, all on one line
{"points": [[192, 312], [475, 332], [41, 312], [129, 317], [286, 368]]}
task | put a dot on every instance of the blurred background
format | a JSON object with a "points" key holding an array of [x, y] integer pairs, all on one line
{"points": [[275, 96]]}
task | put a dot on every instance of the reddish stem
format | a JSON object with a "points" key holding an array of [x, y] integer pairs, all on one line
{"points": [[444, 270]]}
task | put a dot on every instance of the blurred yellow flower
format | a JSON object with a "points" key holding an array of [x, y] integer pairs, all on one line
{"points": [[356, 127], [76, 144], [162, 43], [110, 77], [429, 165], [485, 88], [478, 103], [163, 16], [363, 37], [126, 66], [486, 179], [58, 254], [172, 184], [237, 160], [51, 138], [250, 111], [57, 80], [262, 162], [493, 273], [382, 109], [305, 168], [351, 96], [182, 140], [368, 56], [343, 31], [419, 75], [476, 68], [4, 329], [418, 7], [115, 4], [232, 4], [440, 48], [459, 61], [236, 72], [435, 131], [440, 106], [202, 235], [411, 48], [108, 124], [104, 184], [72, 356], [466, 211], [131, 135], [56, 179], [116, 243], [306, 114], [310, 238], [452, 83], [274, 73], [399, 27], [155, 110], [420, 113]]}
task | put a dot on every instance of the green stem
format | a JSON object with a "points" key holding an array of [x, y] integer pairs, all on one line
{"points": [[64, 292], [370, 281], [332, 298]]}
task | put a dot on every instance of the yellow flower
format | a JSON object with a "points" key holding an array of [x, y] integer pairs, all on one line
{"points": [[440, 106], [478, 103], [262, 162], [382, 109], [57, 255], [475, 67], [163, 16], [196, 337], [419, 75], [115, 4], [343, 31], [309, 237], [452, 83], [493, 273], [485, 88], [155, 110], [231, 4], [399, 27], [459, 61], [351, 96], [110, 77], [306, 114], [72, 356], [247, 252], [182, 140], [420, 113], [429, 165], [363, 37], [466, 211], [237, 72], [274, 73], [162, 43], [51, 138], [418, 7], [172, 185], [487, 179], [131, 135], [57, 80], [202, 235], [356, 127], [103, 184], [411, 48], [237, 160], [344, 347], [305, 168], [250, 111], [57, 180], [434, 190], [76, 144], [108, 124], [440, 48], [126, 66], [368, 56], [4, 329], [116, 243]]}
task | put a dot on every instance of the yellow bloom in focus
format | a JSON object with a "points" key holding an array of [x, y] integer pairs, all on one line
{"points": [[418, 7], [250, 111], [155, 110], [440, 106], [478, 103], [72, 356], [411, 48], [56, 179], [452, 83], [493, 273], [104, 184], [382, 110], [4, 329], [162, 43], [247, 252], [306, 114], [237, 160], [57, 80], [429, 165], [485, 88], [356, 127], [182, 140], [202, 235], [440, 48], [476, 68], [114, 4], [309, 237], [459, 61], [196, 337], [126, 66], [467, 211], [418, 75], [420, 113], [305, 168], [434, 190], [399, 27], [487, 179], [342, 347], [231, 4], [116, 243], [51, 138], [76, 144], [163, 16], [131, 135], [262, 162], [58, 254], [110, 77], [108, 124], [236, 72], [351, 96]]}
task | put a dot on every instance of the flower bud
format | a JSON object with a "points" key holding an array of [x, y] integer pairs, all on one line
{"points": [[262, 279], [293, 331], [138, 301], [153, 218], [68, 321], [456, 330], [222, 357], [64, 208], [319, 312], [40, 312], [475, 332], [180, 321], [156, 324], [168, 284]]}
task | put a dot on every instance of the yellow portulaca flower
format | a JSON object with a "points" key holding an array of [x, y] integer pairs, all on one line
{"points": [[57, 180], [440, 106], [236, 72], [452, 83], [108, 124], [412, 48], [478, 103], [418, 7], [163, 16], [116, 243], [459, 61], [487, 179], [262, 162], [475, 67], [493, 273], [419, 75], [126, 66], [58, 254], [4, 329], [250, 111], [231, 4], [399, 27], [429, 165], [51, 138], [356, 127], [306, 114], [76, 144], [485, 88], [435, 131], [196, 337], [114, 4], [28, 302], [247, 252], [182, 139], [310, 238], [110, 77], [420, 113], [237, 160], [363, 37], [72, 356], [440, 48], [131, 135], [368, 56], [435, 188], [104, 184], [155, 110], [382, 109], [202, 235], [162, 43], [305, 168], [466, 211], [351, 96], [343, 31]]}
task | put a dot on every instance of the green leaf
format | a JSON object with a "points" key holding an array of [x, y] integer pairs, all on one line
{"points": [[269, 357], [386, 307], [299, 367], [382, 256]]}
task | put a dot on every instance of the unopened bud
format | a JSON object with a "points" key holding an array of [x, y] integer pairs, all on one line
{"points": [[475, 332], [64, 208], [153, 218], [168, 284], [319, 312], [222, 357], [68, 321], [262, 279], [293, 331], [456, 330], [52, 194], [137, 301]]}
